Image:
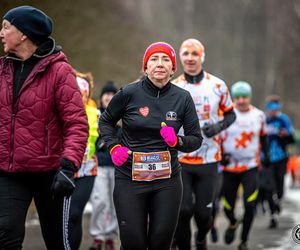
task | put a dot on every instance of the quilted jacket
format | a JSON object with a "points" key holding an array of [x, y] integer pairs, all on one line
{"points": [[46, 123]]}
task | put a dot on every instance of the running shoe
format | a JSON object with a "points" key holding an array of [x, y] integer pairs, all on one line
{"points": [[201, 245], [243, 246], [97, 245], [273, 223], [109, 245], [230, 233]]}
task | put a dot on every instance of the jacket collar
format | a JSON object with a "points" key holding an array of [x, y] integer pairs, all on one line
{"points": [[150, 88], [194, 79], [47, 48]]}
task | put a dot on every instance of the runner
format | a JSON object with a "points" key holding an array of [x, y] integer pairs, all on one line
{"points": [[148, 186], [200, 168], [241, 144], [84, 178], [280, 133]]}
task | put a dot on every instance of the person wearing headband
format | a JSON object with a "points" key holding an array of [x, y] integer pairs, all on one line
{"points": [[148, 186], [281, 134]]}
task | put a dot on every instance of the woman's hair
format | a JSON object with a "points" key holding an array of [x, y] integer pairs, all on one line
{"points": [[89, 78]]}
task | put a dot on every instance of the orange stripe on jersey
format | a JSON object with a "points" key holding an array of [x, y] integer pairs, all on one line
{"points": [[191, 160], [236, 169]]}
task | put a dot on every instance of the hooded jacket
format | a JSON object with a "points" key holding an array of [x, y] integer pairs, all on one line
{"points": [[46, 122]]}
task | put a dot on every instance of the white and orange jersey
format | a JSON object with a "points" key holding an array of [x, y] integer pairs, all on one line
{"points": [[212, 99], [242, 140]]}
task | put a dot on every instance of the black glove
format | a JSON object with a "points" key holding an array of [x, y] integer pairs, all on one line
{"points": [[63, 182], [225, 159], [211, 130]]}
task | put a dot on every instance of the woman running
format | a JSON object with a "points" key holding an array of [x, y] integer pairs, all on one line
{"points": [[148, 186]]}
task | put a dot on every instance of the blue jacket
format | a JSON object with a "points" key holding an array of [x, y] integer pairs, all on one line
{"points": [[278, 151]]}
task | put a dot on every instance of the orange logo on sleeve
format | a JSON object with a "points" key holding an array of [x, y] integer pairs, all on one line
{"points": [[242, 141]]}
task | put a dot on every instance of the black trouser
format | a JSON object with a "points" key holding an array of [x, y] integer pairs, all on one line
{"points": [[16, 194], [199, 183], [279, 171], [215, 208], [267, 188], [147, 212], [231, 182], [80, 197]]}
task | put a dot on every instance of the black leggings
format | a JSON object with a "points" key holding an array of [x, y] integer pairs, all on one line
{"points": [[279, 171], [147, 212], [267, 188], [16, 194], [80, 197], [216, 206], [231, 182], [199, 182]]}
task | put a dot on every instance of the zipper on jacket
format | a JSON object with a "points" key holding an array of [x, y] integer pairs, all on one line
{"points": [[22, 66], [12, 140], [158, 93], [46, 140]]}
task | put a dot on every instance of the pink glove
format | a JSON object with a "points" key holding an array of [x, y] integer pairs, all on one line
{"points": [[169, 135], [119, 155]]}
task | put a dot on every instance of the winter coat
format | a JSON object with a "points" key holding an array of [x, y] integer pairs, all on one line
{"points": [[47, 121]]}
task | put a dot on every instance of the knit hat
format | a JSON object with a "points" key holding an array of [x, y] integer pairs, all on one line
{"points": [[192, 42], [32, 22], [162, 48], [109, 87], [241, 88]]}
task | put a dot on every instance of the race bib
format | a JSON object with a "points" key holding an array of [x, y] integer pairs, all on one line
{"points": [[151, 166]]}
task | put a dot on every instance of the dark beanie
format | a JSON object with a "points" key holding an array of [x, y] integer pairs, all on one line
{"points": [[32, 22], [109, 87]]}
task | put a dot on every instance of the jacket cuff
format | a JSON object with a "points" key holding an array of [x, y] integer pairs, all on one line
{"points": [[114, 147], [68, 165]]}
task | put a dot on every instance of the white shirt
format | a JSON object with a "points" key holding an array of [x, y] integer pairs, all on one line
{"points": [[212, 99], [242, 140]]}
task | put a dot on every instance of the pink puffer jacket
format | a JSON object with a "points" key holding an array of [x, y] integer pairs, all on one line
{"points": [[47, 121]]}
